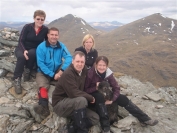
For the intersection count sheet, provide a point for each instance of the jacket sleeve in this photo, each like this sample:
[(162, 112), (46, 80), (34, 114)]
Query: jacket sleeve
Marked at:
[(96, 55), (67, 58), (46, 37), (115, 87), (41, 54), (90, 84), (72, 89), (23, 36)]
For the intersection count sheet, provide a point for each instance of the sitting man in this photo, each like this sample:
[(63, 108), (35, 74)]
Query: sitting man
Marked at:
[(52, 59), (69, 99)]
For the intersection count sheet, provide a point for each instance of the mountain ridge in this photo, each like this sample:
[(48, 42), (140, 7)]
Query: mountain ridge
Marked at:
[(145, 48)]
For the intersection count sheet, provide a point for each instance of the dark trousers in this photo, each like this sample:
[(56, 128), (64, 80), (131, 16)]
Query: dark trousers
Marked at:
[(21, 61), (122, 100)]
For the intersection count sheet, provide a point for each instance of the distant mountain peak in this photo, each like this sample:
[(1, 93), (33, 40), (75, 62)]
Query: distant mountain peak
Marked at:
[(70, 16)]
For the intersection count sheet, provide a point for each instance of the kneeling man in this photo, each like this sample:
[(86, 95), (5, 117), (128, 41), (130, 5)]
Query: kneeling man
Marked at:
[(69, 99)]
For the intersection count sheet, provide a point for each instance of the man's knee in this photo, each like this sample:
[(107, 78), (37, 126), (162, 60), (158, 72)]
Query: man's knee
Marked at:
[(95, 119), (80, 102)]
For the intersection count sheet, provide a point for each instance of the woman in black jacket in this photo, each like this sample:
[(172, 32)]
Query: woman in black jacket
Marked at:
[(31, 36), (88, 44)]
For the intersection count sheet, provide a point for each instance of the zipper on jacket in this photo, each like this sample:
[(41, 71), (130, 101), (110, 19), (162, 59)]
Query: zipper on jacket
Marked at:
[(50, 55), (53, 61)]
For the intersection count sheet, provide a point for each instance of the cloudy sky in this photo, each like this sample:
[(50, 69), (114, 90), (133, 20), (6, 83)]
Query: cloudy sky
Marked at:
[(124, 11)]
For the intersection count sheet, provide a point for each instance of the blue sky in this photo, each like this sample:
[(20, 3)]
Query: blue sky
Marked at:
[(123, 11)]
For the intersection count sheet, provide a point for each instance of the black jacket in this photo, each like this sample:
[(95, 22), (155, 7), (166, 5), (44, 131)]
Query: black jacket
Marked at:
[(28, 38), (90, 57)]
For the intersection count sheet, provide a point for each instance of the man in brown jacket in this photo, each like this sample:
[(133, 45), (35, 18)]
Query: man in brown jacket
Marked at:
[(69, 99)]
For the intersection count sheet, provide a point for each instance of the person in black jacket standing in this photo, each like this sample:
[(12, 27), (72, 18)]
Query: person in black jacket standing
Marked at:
[(31, 36), (88, 44)]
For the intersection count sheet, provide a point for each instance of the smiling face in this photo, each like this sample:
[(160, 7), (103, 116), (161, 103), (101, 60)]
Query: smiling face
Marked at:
[(88, 44), (101, 66), (39, 21), (53, 37), (78, 63)]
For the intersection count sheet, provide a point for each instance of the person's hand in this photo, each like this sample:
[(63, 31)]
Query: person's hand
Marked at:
[(108, 102), (97, 85), (58, 75), (93, 100), (26, 55)]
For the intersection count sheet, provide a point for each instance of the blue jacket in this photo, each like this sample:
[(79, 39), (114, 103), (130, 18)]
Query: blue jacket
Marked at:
[(49, 59)]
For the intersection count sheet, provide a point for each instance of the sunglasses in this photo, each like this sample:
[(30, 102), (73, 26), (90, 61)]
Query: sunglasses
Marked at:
[(39, 19)]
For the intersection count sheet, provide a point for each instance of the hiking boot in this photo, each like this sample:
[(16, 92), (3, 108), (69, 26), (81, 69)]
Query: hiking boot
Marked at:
[(42, 110), (150, 122), (26, 74), (17, 85)]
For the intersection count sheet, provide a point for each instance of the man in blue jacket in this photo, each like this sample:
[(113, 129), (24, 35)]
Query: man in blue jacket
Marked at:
[(52, 59)]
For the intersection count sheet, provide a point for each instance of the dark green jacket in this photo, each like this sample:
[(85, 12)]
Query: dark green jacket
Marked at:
[(70, 85)]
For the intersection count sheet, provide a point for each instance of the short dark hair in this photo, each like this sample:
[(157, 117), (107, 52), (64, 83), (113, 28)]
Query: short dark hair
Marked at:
[(40, 13), (103, 58), (53, 29), (81, 54)]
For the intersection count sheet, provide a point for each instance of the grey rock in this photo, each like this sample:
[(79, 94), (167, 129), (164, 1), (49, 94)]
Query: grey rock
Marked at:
[(52, 88), (4, 64), (4, 100), (4, 121), (153, 96), (5, 84), (3, 72), (137, 88), (14, 38), (168, 94), (95, 129), (14, 111), (14, 30), (8, 43), (159, 106), (1, 46), (7, 29), (115, 130), (34, 115), (126, 123), (21, 127), (4, 52)]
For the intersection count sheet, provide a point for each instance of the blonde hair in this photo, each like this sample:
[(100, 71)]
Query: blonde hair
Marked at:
[(40, 13), (86, 37)]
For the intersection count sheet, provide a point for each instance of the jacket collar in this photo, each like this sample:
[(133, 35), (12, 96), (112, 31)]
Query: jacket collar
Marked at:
[(83, 48), (108, 72), (33, 24), (48, 44), (76, 71)]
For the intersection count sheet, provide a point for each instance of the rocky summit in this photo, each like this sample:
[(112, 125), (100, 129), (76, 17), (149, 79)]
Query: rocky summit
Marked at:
[(17, 114)]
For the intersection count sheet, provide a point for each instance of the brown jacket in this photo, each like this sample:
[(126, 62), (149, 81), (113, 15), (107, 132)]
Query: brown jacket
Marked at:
[(70, 85)]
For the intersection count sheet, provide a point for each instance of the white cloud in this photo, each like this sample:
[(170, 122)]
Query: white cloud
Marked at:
[(124, 11)]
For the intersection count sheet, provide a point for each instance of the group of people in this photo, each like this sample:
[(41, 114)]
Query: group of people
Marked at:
[(76, 78)]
